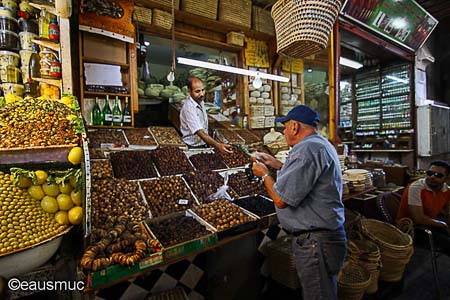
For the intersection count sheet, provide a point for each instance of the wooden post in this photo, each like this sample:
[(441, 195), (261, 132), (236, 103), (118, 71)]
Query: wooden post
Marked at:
[(65, 55)]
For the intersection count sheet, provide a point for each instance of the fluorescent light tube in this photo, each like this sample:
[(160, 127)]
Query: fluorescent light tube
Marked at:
[(350, 63), (397, 79), (208, 65)]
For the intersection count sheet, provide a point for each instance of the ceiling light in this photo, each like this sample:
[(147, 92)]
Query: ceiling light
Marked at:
[(171, 76), (397, 79), (257, 83), (147, 43), (208, 65), (309, 70), (350, 63)]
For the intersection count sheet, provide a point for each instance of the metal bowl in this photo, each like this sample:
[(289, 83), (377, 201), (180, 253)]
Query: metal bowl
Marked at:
[(28, 259)]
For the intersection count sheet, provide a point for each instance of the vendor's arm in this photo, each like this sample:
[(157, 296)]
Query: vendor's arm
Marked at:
[(224, 148), (260, 170)]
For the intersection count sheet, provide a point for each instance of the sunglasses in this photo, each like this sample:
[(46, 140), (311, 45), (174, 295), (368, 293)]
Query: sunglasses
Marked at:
[(435, 174)]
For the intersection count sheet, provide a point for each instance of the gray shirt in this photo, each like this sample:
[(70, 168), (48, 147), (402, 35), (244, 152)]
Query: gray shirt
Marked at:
[(310, 183)]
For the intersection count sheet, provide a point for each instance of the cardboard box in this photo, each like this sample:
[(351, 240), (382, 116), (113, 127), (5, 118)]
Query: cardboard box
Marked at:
[(257, 122), (269, 110), (235, 38), (257, 110), (269, 122)]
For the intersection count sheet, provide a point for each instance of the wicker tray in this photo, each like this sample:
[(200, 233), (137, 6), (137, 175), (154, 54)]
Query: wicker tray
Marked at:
[(162, 19), (205, 8), (142, 14), (169, 3), (238, 12), (262, 20)]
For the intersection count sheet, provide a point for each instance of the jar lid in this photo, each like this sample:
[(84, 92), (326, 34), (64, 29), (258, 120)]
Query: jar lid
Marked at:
[(4, 52), (8, 32), (5, 8), (8, 17)]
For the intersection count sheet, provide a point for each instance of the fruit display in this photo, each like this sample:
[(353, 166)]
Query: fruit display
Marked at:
[(248, 136), (23, 223), (167, 136), (205, 183), (177, 230), (235, 159), (75, 155), (207, 161), (257, 205), (132, 164), (96, 153), (167, 195), (240, 184), (124, 243), (140, 137), (106, 136), (222, 214), (229, 136), (38, 123), (171, 161), (113, 197), (101, 168)]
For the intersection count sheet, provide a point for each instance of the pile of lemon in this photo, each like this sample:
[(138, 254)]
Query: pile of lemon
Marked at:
[(58, 199)]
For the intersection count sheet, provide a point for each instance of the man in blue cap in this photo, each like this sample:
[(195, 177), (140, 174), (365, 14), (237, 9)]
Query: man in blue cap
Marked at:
[(308, 200)]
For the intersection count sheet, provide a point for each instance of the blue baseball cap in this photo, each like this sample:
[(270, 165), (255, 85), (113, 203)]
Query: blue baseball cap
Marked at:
[(301, 113)]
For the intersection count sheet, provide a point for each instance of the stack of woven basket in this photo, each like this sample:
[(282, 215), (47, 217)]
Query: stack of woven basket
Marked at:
[(353, 280)]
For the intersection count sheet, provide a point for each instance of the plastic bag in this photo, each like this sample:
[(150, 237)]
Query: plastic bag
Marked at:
[(221, 192)]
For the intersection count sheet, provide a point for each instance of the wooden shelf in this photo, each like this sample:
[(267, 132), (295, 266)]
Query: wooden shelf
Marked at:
[(107, 94), (55, 82), (357, 194), (382, 150), (48, 44), (49, 8), (108, 127), (106, 62)]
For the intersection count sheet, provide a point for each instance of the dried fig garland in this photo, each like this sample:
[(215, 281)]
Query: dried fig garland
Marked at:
[(34, 122), (207, 161), (235, 159), (133, 164), (140, 136), (206, 183), (167, 195), (239, 182), (106, 136), (171, 161), (101, 169)]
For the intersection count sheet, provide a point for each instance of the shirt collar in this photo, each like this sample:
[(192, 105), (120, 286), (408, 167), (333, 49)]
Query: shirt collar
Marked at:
[(193, 102), (444, 188)]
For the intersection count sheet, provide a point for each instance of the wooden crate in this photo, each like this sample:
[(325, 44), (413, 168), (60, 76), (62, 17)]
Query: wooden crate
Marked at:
[(204, 8), (142, 14), (169, 3), (162, 19), (235, 38), (238, 12), (262, 20)]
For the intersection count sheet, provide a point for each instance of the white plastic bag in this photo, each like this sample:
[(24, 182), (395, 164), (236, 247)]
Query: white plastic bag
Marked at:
[(221, 192)]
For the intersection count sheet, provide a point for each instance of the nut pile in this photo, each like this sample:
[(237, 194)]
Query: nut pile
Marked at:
[(230, 136), (248, 136), (222, 214), (34, 122), (101, 169), (206, 183), (177, 230), (116, 197), (171, 161), (167, 136), (257, 205), (239, 182), (96, 153), (132, 164), (166, 195), (23, 223), (140, 136), (235, 159), (207, 161), (106, 136)]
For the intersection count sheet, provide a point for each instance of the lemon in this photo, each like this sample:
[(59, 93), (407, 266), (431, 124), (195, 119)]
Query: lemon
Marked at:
[(62, 218), (64, 202), (66, 100), (49, 204), (41, 176), (75, 155), (36, 192), (75, 215), (51, 189), (76, 198), (65, 189)]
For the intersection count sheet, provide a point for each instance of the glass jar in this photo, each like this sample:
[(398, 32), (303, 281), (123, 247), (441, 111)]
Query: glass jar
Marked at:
[(379, 177)]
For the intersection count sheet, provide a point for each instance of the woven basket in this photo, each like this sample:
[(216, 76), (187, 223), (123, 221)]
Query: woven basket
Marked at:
[(262, 20), (353, 280), (238, 12), (169, 3), (204, 8), (162, 19), (281, 260), (395, 246), (142, 14), (352, 220), (303, 26)]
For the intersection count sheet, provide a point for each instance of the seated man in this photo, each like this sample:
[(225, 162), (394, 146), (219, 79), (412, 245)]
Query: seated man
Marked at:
[(426, 201)]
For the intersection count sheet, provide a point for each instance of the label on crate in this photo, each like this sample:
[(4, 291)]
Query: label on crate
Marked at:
[(183, 202)]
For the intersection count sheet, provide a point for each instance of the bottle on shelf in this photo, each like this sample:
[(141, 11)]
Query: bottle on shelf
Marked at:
[(107, 114), (53, 30), (116, 113), (126, 116), (97, 115), (43, 24), (34, 65)]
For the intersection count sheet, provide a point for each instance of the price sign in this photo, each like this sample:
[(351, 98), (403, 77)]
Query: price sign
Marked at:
[(183, 202), (256, 53)]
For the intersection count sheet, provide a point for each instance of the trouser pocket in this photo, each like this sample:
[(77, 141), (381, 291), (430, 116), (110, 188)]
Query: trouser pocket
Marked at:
[(334, 255)]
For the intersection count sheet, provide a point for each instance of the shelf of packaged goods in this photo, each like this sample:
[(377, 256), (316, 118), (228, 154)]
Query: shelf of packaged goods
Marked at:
[(105, 62), (106, 94), (367, 99), (55, 82), (395, 95), (384, 150), (108, 127), (48, 44), (51, 9)]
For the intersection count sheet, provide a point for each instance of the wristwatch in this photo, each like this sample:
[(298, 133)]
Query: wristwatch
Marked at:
[(263, 178)]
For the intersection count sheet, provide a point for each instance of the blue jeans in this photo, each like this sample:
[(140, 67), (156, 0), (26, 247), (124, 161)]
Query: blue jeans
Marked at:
[(319, 257)]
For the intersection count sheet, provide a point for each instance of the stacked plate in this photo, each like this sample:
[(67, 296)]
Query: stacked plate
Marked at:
[(342, 162), (359, 178)]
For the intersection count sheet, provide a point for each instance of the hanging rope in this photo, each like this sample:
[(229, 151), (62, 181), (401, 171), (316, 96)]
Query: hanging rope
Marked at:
[(173, 38)]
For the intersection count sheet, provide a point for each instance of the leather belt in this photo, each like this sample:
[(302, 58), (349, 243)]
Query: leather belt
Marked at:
[(300, 232)]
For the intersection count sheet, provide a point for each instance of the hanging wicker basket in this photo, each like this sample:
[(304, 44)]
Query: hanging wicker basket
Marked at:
[(303, 26)]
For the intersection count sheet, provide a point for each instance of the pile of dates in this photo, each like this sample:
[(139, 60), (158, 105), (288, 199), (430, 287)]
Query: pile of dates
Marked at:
[(133, 164), (177, 230), (101, 169), (257, 205), (222, 214), (167, 136), (247, 136), (240, 183), (171, 161), (205, 183), (116, 197), (140, 136), (96, 153), (229, 136), (167, 195), (235, 159), (106, 136), (207, 161)]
